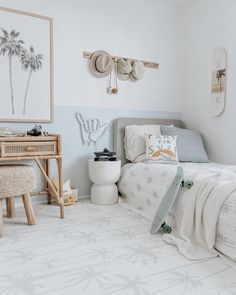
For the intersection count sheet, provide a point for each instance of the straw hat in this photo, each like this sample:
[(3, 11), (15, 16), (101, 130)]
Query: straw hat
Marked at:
[(101, 64), (137, 71), (124, 68)]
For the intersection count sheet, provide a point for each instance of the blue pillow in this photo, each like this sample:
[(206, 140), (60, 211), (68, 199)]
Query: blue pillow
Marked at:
[(189, 144)]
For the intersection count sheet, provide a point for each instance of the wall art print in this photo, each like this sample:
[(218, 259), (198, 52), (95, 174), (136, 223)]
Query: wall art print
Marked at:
[(26, 72), (219, 75)]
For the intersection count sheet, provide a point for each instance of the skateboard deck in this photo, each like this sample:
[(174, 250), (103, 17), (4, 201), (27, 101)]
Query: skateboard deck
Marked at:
[(219, 77), (168, 201)]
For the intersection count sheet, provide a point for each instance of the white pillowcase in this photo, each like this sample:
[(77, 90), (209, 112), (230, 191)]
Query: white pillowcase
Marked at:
[(135, 143), (161, 149)]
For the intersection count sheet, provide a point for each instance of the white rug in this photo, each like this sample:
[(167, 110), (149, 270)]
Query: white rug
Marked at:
[(100, 250)]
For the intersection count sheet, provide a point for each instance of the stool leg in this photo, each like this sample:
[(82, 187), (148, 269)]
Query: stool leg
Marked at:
[(28, 209), (10, 207), (1, 219)]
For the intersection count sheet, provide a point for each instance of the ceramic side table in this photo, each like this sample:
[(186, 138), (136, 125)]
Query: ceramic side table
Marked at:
[(104, 175)]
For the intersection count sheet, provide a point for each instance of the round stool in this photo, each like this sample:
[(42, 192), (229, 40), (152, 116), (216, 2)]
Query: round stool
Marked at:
[(16, 180), (104, 175)]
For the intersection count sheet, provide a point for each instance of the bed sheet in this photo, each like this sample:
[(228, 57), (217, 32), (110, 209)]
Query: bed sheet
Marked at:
[(141, 189)]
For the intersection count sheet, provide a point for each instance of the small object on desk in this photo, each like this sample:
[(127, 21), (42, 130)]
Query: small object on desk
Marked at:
[(5, 131), (37, 130)]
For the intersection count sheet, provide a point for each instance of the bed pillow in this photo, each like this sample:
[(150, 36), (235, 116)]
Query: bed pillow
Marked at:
[(161, 149), (134, 140), (189, 144)]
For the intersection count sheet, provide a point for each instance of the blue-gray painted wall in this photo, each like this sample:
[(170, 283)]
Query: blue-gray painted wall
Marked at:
[(75, 154)]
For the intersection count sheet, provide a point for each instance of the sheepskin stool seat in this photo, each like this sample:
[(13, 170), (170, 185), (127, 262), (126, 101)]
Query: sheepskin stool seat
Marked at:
[(16, 180)]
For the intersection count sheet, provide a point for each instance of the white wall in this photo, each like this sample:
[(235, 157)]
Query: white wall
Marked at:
[(181, 41), (205, 26), (125, 27)]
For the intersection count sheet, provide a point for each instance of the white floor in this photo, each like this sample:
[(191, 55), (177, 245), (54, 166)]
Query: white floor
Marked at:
[(100, 250)]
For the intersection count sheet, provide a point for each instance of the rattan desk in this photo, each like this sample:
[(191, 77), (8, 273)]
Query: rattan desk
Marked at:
[(41, 149)]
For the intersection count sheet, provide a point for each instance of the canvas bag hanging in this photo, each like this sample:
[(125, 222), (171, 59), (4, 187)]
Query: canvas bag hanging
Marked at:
[(113, 74)]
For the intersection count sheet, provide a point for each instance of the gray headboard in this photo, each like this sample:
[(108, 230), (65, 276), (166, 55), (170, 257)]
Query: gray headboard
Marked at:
[(119, 131)]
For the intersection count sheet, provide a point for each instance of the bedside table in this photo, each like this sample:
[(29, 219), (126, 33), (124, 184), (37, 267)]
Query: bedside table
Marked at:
[(104, 175)]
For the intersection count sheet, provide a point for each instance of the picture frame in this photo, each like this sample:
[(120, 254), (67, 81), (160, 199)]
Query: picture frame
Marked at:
[(26, 67)]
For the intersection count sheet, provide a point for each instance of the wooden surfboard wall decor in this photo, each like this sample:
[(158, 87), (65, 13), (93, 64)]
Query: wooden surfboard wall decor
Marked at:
[(219, 76)]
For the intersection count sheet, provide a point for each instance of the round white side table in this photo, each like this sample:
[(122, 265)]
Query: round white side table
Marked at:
[(104, 175)]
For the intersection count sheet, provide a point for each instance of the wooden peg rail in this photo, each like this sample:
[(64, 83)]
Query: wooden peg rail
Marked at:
[(147, 64)]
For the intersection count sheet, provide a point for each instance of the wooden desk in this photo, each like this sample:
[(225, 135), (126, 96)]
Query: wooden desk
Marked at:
[(41, 149)]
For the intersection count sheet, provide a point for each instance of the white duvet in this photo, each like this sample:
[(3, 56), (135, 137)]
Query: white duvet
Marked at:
[(144, 185)]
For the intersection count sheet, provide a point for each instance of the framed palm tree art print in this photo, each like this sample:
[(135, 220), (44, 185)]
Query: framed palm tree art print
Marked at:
[(26, 66)]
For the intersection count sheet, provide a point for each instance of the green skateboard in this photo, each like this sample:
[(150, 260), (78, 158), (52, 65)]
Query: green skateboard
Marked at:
[(168, 201)]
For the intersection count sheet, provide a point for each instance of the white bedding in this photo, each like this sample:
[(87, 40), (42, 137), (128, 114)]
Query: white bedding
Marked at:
[(144, 186)]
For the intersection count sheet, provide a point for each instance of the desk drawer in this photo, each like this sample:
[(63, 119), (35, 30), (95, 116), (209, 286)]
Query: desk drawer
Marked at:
[(15, 149)]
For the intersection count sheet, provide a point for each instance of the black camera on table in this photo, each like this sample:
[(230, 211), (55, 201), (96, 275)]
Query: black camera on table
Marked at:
[(105, 155), (37, 130)]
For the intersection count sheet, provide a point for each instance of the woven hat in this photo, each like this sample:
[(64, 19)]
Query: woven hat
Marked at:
[(124, 68), (137, 71), (101, 64)]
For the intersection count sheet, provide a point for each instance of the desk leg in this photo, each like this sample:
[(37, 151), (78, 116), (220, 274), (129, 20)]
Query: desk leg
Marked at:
[(47, 170), (60, 178), (54, 192)]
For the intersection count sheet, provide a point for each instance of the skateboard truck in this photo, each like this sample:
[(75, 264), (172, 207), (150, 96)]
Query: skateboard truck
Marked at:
[(168, 200)]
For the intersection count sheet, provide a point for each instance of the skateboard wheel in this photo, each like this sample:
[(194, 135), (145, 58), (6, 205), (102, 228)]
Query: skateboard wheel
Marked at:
[(187, 183), (166, 229)]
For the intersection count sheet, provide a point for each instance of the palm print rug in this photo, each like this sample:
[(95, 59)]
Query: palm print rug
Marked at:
[(100, 250)]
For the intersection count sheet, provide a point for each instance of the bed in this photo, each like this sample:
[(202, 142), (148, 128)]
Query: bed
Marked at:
[(140, 192)]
